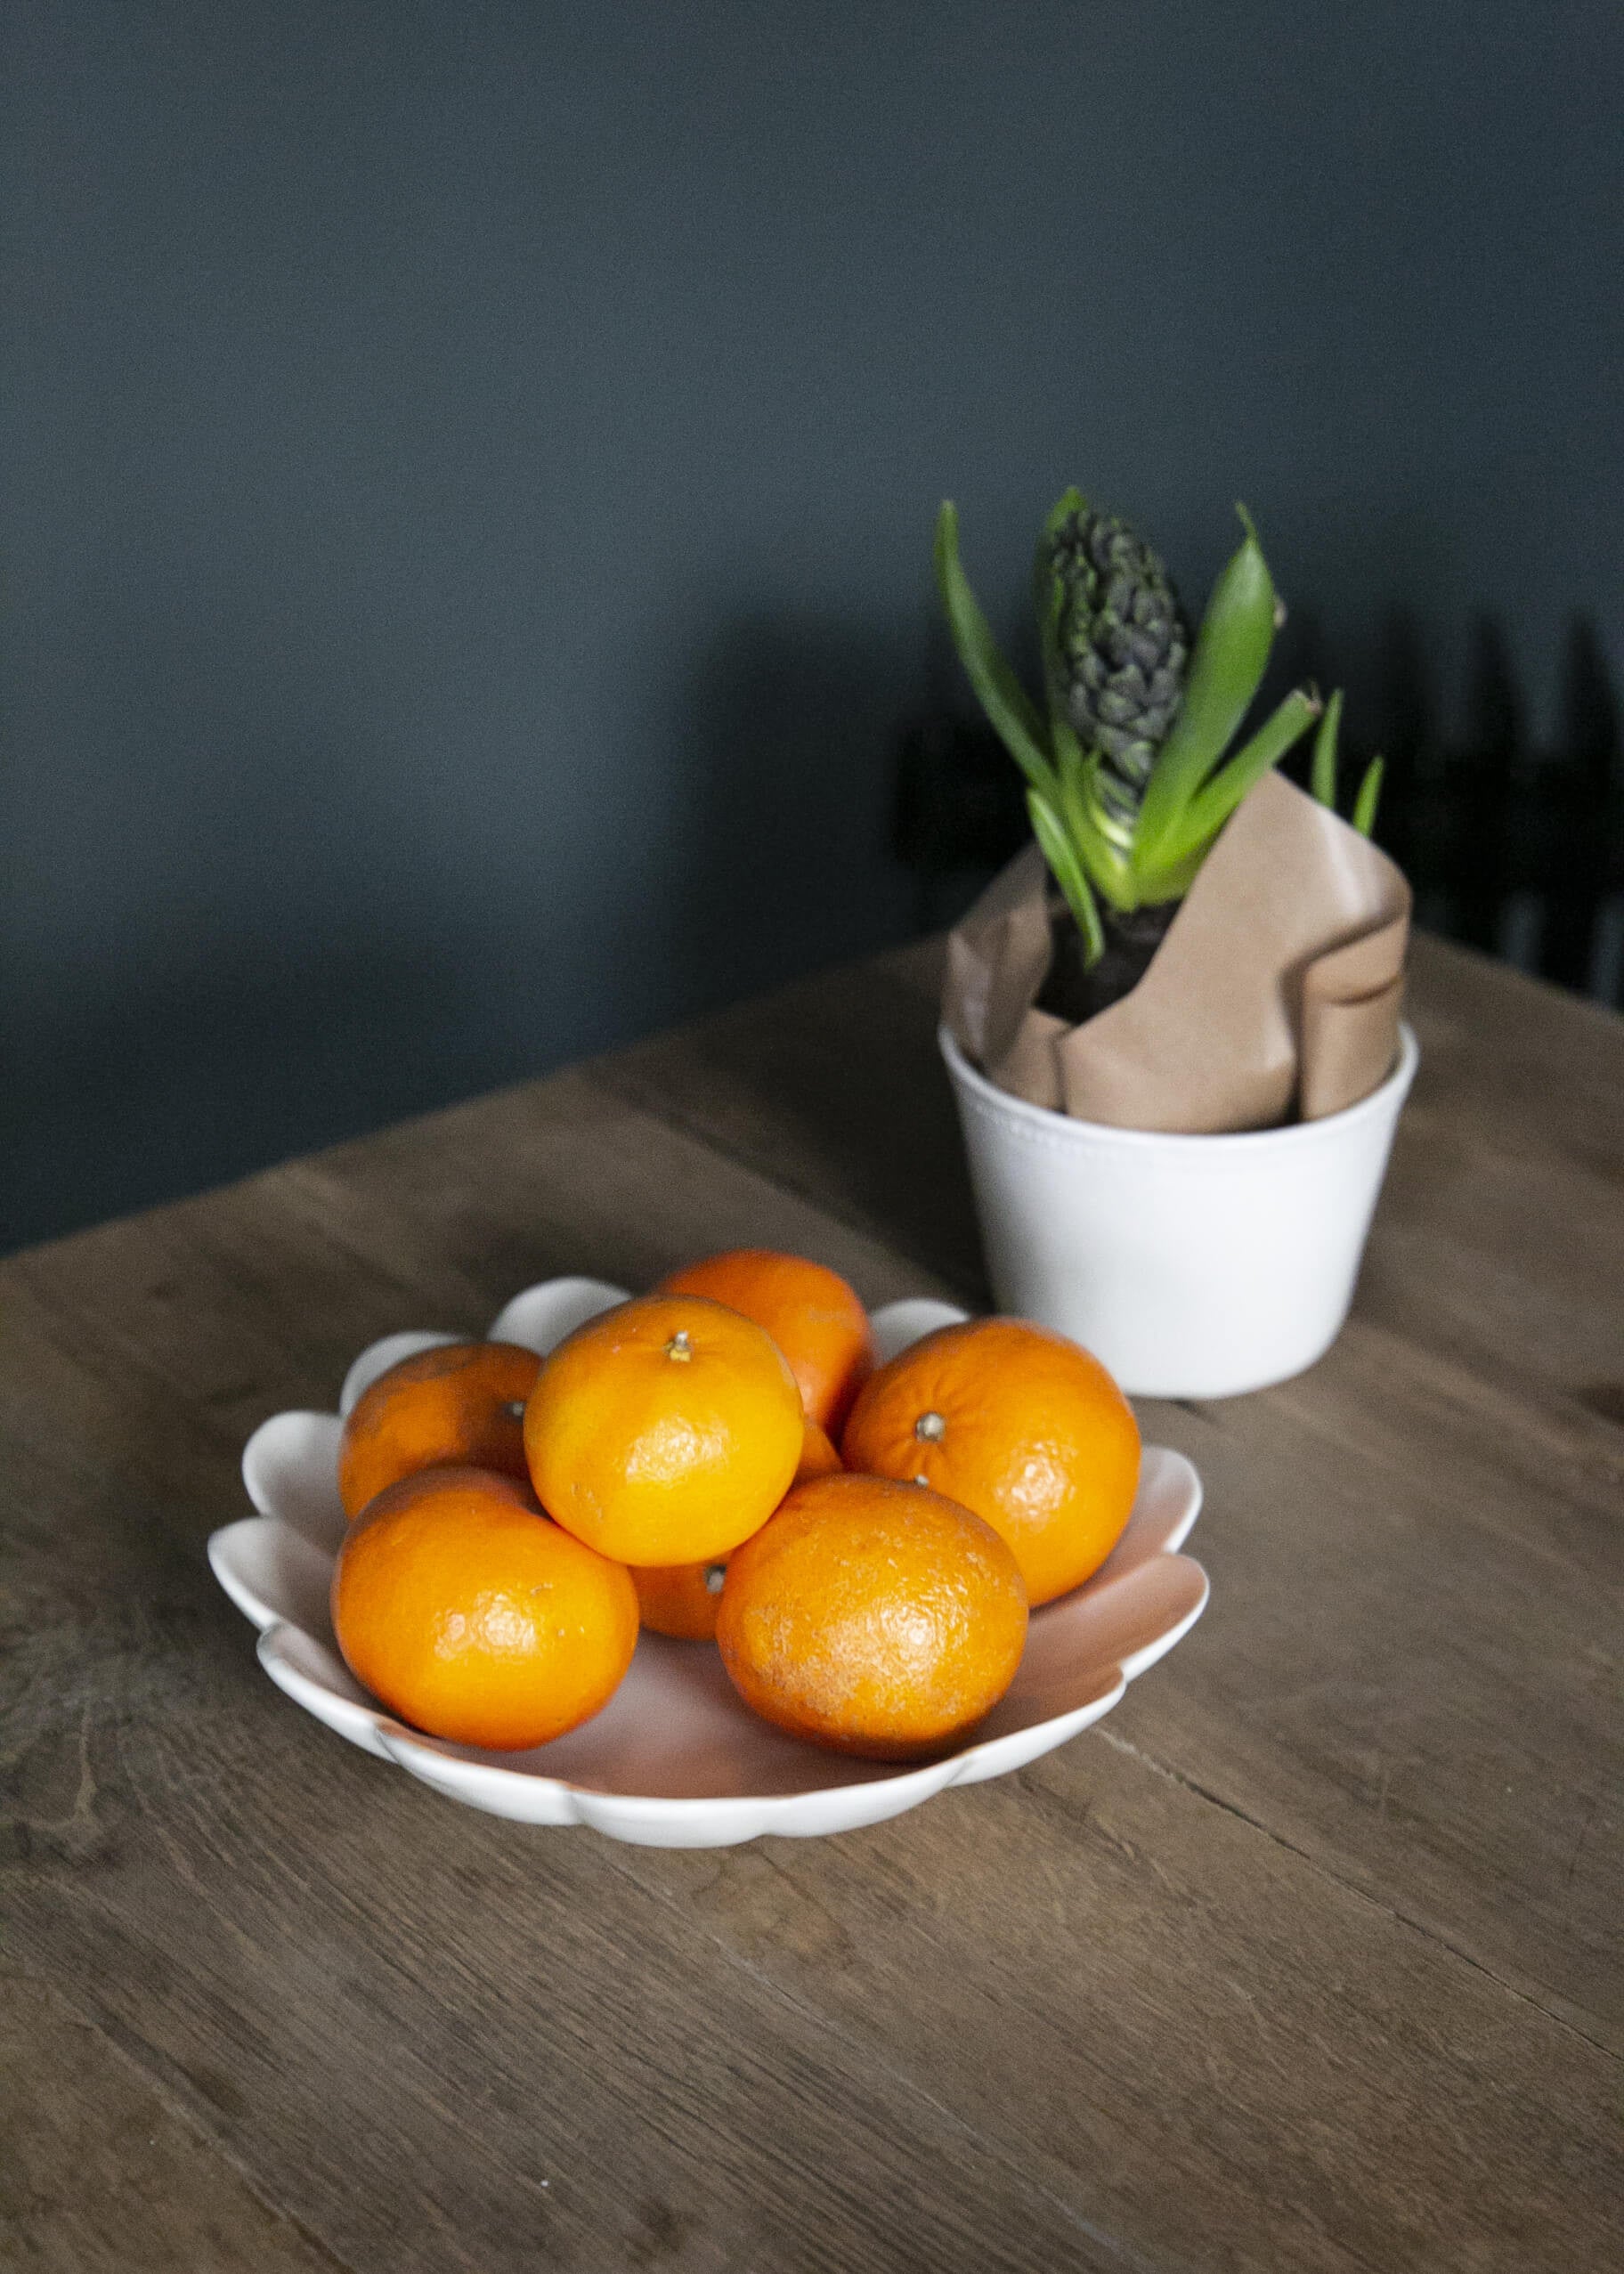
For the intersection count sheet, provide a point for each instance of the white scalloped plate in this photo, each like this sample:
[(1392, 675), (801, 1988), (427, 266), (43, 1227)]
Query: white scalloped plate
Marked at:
[(675, 1760)]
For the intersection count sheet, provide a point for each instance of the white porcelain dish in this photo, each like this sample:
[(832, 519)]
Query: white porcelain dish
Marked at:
[(675, 1759)]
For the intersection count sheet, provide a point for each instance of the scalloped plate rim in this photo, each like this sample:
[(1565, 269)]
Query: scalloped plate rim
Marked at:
[(687, 1820)]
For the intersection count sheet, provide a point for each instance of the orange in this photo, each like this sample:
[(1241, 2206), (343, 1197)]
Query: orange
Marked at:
[(810, 1313), (467, 1613), (819, 1456), (873, 1617), (664, 1431), (682, 1599), (461, 1405), (1020, 1425)]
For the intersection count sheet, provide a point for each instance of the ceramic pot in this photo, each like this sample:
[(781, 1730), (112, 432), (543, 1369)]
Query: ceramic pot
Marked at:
[(1192, 1267)]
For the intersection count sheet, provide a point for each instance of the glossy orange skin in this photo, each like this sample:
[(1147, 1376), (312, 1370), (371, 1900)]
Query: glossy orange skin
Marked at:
[(873, 1616), (810, 1313), (664, 1431), (469, 1615), (1018, 1423), (682, 1599), (461, 1405)]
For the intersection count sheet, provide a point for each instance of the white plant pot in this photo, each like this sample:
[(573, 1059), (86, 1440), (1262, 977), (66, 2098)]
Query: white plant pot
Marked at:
[(1192, 1267)]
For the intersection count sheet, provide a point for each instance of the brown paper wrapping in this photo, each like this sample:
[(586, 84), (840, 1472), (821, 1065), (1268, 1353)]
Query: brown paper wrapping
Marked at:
[(1274, 992)]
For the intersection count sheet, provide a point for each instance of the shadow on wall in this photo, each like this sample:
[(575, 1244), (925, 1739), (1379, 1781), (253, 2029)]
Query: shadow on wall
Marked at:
[(780, 860), (1513, 847), (263, 1022), (209, 1064), (804, 822)]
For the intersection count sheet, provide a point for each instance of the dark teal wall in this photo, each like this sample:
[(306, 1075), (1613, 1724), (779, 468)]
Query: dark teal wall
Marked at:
[(469, 473)]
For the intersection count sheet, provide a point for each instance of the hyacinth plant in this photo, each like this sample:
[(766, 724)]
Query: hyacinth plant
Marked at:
[(1130, 758)]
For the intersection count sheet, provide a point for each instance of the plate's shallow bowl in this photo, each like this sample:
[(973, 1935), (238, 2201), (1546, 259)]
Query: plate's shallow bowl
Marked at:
[(675, 1759)]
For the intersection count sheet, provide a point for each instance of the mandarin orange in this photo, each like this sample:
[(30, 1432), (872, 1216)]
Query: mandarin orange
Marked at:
[(819, 1456), (873, 1617), (1018, 1423), (664, 1431), (682, 1599), (811, 1314), (462, 1405), (459, 1604)]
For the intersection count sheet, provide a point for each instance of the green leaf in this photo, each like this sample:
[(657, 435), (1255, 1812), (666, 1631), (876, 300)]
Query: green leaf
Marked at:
[(1044, 578), (1069, 501), (1225, 672), (1369, 797), (1051, 607), (1102, 845), (1048, 603), (1073, 770), (1324, 779), (1057, 848), (1205, 814), (1170, 881), (1006, 702)]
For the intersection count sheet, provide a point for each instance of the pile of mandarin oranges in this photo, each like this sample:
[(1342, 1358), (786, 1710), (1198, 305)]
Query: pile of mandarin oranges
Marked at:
[(721, 1461)]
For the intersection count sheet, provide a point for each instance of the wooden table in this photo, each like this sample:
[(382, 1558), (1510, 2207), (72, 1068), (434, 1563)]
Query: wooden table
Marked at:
[(1305, 1958)]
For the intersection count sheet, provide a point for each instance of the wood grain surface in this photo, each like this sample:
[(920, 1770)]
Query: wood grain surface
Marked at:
[(1308, 1957)]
